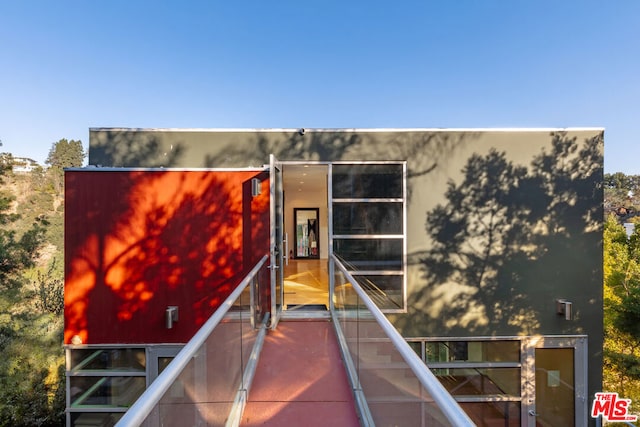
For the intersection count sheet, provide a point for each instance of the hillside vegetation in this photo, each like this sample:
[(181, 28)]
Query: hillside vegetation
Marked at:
[(32, 383), (622, 287)]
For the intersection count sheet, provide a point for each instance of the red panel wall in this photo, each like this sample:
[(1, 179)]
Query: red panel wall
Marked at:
[(139, 241)]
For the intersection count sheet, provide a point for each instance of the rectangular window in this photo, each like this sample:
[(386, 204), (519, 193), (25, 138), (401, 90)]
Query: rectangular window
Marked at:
[(484, 376), (359, 218), (107, 391), (482, 381), (102, 383), (368, 180), (126, 359), (86, 419), (499, 413), (369, 254), (473, 351), (368, 219), (385, 291)]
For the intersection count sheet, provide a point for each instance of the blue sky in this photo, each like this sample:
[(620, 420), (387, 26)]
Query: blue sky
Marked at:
[(66, 66)]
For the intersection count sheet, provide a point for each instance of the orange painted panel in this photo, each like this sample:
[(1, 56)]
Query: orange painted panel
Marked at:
[(139, 241)]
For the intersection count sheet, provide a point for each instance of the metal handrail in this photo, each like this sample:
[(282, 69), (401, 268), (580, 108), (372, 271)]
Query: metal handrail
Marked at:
[(142, 407), (447, 404)]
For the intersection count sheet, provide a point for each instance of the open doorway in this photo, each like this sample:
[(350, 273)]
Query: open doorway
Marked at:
[(306, 225), (364, 210)]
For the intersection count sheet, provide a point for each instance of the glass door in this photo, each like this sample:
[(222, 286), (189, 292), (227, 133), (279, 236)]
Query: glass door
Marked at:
[(555, 386), (158, 359), (276, 239), (556, 382)]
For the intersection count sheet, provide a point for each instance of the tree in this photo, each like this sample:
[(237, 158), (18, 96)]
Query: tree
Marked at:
[(66, 154), (622, 310), (620, 194), (49, 291)]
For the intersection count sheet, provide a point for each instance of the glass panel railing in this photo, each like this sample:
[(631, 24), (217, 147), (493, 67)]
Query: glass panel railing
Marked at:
[(392, 384), (207, 382)]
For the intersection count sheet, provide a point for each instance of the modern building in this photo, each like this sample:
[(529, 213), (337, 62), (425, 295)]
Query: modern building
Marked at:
[(24, 165), (483, 247)]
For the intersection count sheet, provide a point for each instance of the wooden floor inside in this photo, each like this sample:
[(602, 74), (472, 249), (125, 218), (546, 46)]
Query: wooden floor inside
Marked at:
[(300, 379), (306, 282)]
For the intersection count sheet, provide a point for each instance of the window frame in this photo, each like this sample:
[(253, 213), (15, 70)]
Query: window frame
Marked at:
[(151, 352), (400, 236)]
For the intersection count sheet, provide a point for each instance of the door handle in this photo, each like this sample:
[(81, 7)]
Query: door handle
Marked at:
[(533, 413)]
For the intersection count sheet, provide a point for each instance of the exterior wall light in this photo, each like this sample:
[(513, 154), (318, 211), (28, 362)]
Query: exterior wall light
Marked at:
[(564, 308), (171, 316), (256, 187)]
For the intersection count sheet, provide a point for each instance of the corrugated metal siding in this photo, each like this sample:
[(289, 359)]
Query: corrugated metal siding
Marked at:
[(139, 241)]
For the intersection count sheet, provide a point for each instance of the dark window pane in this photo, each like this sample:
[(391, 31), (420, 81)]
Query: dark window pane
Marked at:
[(106, 391), (385, 291), (480, 381), (416, 346), (473, 351), (163, 362), (367, 218), (102, 419), (369, 254), (367, 181), (116, 359), (493, 413)]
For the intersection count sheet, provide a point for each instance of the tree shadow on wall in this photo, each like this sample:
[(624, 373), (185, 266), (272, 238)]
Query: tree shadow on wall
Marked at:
[(509, 236), (169, 238), (133, 149), (312, 146), (424, 151)]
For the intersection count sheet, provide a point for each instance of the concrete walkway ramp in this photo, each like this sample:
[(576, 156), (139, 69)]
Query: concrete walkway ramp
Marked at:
[(300, 379)]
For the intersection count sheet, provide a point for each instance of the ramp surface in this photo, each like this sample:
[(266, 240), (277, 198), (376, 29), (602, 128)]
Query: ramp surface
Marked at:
[(300, 379)]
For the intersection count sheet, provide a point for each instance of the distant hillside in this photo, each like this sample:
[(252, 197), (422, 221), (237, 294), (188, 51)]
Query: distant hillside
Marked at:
[(37, 197), (32, 382)]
